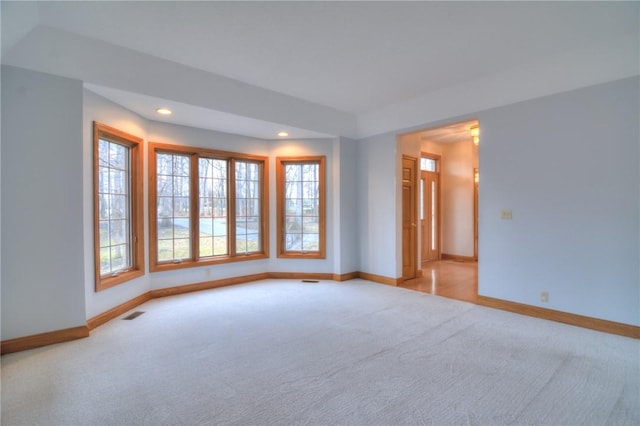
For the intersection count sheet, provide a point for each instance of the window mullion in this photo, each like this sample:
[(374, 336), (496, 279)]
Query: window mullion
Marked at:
[(231, 206), (194, 207), (133, 205)]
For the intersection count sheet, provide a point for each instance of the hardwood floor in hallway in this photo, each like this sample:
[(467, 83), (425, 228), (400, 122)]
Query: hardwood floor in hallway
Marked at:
[(447, 278)]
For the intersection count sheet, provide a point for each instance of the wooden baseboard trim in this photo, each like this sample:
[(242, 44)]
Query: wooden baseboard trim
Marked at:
[(300, 275), (43, 339), (346, 277), (207, 285), (611, 327), (112, 313), (380, 279), (445, 256)]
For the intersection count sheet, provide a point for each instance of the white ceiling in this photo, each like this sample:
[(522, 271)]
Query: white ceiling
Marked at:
[(451, 133), (204, 118), (356, 57)]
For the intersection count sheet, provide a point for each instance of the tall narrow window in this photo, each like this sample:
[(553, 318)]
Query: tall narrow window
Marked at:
[(173, 207), (213, 207), (248, 215), (206, 207), (118, 240), (301, 209)]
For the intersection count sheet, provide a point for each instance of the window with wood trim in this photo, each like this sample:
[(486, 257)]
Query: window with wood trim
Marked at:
[(206, 207), (301, 207), (117, 204)]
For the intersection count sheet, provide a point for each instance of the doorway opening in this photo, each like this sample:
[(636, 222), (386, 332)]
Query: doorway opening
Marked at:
[(447, 190)]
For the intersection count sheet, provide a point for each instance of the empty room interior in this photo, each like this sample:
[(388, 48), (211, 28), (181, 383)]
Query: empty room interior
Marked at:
[(320, 212)]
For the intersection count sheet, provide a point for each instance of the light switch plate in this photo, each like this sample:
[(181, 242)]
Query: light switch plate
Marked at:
[(506, 214)]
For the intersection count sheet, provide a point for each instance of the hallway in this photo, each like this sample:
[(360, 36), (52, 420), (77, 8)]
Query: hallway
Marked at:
[(447, 278)]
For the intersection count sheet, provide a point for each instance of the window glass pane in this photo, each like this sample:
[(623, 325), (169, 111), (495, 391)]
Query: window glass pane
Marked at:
[(164, 164), (181, 186), (181, 247), (119, 206), (114, 207), (206, 246), (253, 170), (293, 233), (117, 156), (165, 250), (293, 190), (174, 205), (302, 207), (181, 165), (215, 197), (220, 245), (105, 260), (433, 215), (428, 164), (421, 199), (213, 207), (119, 256), (248, 210), (181, 208)]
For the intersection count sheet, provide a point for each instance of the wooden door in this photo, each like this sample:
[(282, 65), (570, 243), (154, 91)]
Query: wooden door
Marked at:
[(429, 216), (409, 227)]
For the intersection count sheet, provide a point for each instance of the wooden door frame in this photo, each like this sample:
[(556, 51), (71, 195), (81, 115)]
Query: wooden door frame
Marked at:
[(438, 159), (414, 229), (476, 190)]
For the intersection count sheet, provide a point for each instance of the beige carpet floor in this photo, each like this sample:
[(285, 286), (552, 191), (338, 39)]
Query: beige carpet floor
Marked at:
[(281, 352)]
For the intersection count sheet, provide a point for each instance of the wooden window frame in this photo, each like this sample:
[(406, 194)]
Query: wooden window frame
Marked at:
[(280, 183), (195, 154), (134, 144)]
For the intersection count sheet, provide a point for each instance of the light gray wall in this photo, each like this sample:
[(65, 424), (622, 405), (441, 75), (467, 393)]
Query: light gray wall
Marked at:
[(104, 111), (42, 248), (303, 148), (349, 209), (377, 183), (568, 167), (457, 190), (345, 206)]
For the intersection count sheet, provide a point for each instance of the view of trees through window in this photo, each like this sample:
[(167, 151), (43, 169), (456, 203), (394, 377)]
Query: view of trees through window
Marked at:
[(302, 207), (213, 207), (118, 242), (173, 206), (114, 211), (248, 217), (209, 205)]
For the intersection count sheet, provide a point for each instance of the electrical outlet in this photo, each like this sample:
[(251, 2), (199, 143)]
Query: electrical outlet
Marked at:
[(544, 296)]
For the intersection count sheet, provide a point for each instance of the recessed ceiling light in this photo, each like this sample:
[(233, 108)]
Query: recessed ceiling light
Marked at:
[(283, 134), (164, 111)]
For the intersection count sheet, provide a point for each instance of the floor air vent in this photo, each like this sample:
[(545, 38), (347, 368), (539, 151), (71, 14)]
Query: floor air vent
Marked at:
[(134, 315), (310, 281)]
